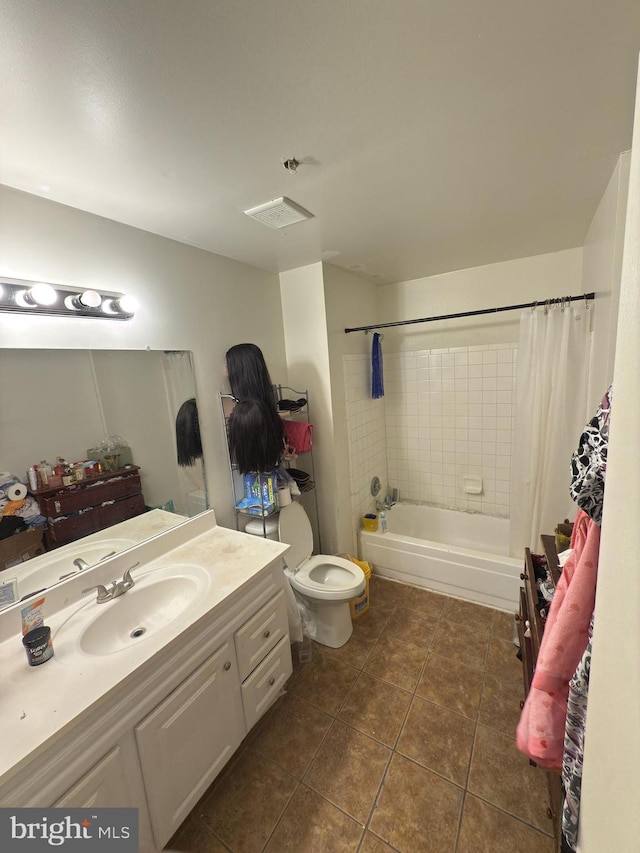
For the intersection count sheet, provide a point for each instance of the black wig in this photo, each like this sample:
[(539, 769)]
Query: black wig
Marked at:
[(188, 433), (255, 436), (248, 374)]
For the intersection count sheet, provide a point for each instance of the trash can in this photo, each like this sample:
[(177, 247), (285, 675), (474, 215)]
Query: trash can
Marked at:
[(360, 605)]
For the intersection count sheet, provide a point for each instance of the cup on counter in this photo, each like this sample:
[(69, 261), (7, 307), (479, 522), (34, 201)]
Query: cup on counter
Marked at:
[(284, 496), (38, 645)]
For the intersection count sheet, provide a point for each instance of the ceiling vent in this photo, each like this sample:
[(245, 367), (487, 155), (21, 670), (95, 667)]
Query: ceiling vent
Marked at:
[(279, 213)]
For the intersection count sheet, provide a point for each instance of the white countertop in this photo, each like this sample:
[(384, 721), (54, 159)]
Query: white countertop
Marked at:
[(38, 703)]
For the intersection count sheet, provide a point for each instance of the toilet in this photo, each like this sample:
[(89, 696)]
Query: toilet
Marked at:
[(323, 584)]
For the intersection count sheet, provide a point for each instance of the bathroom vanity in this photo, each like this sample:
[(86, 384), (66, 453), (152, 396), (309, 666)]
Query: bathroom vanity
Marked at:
[(148, 720)]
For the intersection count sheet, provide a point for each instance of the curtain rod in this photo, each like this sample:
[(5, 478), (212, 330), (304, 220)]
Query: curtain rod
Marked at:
[(559, 300)]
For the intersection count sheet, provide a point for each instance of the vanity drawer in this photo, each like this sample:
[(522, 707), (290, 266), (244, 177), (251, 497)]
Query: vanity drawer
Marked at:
[(260, 634), (64, 530), (264, 684), (80, 497)]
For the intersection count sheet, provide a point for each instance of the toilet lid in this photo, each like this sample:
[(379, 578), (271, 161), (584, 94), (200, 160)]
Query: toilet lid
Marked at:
[(294, 529)]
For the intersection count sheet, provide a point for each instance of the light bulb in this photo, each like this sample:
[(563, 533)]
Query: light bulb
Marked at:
[(42, 294), (120, 305), (127, 304)]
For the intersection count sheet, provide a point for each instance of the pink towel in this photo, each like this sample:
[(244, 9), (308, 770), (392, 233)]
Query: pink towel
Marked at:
[(540, 732)]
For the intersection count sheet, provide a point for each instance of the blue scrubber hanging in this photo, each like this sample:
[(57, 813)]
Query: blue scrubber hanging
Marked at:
[(377, 382)]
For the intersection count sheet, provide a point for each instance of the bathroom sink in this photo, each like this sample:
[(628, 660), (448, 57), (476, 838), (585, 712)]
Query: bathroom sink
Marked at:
[(159, 598)]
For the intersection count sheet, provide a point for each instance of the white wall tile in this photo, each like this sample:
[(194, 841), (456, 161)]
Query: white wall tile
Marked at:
[(446, 414)]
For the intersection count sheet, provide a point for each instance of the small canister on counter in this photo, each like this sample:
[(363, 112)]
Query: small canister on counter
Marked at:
[(38, 645)]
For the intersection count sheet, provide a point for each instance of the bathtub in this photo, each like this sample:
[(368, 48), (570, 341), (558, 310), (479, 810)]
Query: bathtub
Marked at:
[(449, 551)]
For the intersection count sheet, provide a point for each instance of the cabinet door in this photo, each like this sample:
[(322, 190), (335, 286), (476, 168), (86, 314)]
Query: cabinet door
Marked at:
[(105, 786), (185, 742)]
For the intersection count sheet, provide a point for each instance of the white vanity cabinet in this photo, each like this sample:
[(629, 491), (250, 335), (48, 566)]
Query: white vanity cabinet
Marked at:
[(185, 742), (107, 784), (156, 738)]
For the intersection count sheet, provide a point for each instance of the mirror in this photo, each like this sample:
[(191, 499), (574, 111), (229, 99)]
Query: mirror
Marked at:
[(64, 402)]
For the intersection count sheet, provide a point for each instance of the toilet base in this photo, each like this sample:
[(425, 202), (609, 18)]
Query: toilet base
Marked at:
[(330, 619)]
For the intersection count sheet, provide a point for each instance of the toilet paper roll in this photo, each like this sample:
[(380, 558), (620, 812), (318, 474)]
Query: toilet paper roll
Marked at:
[(284, 496), (17, 492)]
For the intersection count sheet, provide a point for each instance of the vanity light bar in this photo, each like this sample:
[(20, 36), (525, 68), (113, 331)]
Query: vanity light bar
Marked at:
[(37, 297)]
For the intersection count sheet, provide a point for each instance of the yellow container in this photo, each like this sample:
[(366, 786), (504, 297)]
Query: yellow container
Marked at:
[(370, 523), (360, 605)]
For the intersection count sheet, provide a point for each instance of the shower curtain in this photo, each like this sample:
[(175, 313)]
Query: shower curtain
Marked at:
[(180, 386), (551, 410)]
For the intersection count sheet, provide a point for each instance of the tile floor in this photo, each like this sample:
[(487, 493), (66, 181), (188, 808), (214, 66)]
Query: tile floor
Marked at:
[(402, 740)]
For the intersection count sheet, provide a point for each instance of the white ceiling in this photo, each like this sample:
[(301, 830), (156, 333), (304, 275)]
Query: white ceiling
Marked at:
[(434, 134)]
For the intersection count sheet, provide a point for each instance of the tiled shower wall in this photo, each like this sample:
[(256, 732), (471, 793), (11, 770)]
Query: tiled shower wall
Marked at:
[(366, 435), (448, 415)]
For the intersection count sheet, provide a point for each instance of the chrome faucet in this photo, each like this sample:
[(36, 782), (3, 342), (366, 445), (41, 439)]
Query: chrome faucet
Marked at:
[(387, 503), (82, 565), (116, 589)]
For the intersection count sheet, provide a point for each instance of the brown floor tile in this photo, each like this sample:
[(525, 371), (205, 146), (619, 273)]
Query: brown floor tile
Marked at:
[(457, 610), (416, 810), (410, 627), (485, 829), (502, 661), (298, 667), (312, 825), (500, 705), (372, 844), (376, 708), (438, 739), (426, 603), (384, 592), (447, 682), (194, 837), (462, 642), (325, 684), (244, 810), (291, 733), (396, 662), (348, 769), (503, 777), (503, 625), (354, 652), (374, 619)]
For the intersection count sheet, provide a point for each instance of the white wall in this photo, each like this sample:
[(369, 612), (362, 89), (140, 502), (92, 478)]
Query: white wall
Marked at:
[(189, 299), (307, 350), (510, 282), (352, 301), (609, 815), (601, 271)]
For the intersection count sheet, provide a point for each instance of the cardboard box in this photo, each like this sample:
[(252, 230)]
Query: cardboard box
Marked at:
[(20, 547)]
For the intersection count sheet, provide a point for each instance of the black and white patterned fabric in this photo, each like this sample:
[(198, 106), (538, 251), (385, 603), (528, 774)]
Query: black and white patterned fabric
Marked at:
[(589, 462), (574, 746)]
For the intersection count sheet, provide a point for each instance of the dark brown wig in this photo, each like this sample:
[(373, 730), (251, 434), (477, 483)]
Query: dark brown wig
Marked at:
[(188, 433), (255, 437)]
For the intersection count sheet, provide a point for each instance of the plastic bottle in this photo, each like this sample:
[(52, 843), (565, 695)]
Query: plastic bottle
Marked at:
[(33, 478), (45, 471), (383, 522)]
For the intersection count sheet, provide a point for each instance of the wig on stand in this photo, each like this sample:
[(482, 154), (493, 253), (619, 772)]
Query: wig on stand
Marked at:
[(255, 437), (188, 441), (248, 374), (256, 432)]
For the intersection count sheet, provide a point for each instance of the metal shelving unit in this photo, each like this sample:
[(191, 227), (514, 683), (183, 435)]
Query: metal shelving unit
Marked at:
[(303, 462)]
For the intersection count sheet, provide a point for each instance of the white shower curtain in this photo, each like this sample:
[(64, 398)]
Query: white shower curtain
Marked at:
[(180, 386), (551, 403)]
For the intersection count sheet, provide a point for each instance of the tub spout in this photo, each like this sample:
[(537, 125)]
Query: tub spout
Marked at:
[(386, 504)]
